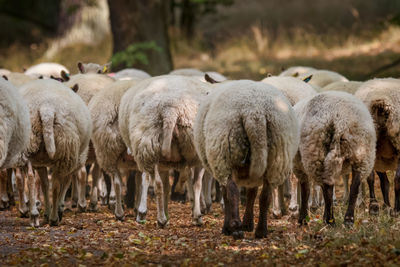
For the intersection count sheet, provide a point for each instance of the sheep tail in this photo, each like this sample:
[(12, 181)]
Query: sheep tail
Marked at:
[(47, 116), (169, 123), (255, 126), (333, 160)]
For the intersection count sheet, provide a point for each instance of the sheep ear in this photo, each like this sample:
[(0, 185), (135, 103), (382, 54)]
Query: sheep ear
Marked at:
[(41, 77), (81, 68), (283, 68), (296, 74), (64, 76), (75, 88), (106, 67), (209, 79), (269, 74), (307, 79), (5, 77)]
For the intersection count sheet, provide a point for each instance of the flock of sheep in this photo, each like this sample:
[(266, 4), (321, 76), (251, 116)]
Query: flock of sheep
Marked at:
[(304, 128)]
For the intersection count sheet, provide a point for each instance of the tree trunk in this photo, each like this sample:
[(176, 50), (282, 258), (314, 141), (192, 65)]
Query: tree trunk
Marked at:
[(139, 21)]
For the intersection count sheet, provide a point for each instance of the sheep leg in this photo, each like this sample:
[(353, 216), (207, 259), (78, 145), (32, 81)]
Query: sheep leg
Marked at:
[(327, 190), (96, 175), (188, 172), (315, 194), (232, 223), (144, 187), (119, 211), (54, 219), (281, 198), (34, 213), (178, 188), (293, 205), (138, 191), (373, 203), (218, 193), (248, 217), (305, 195), (162, 219), (64, 185), (112, 195), (198, 174), (396, 210), (360, 198), (103, 188), (131, 189), (287, 188), (276, 209), (74, 192), (22, 204), (44, 179), (384, 188), (354, 190), (207, 185), (37, 188), (265, 198), (10, 186), (80, 175), (346, 187), (4, 200), (166, 191)]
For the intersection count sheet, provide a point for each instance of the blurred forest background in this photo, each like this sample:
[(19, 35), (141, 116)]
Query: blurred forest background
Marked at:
[(240, 39)]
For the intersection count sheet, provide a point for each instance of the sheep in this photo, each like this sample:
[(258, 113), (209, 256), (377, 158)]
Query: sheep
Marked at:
[(111, 151), (246, 133), (131, 73), (337, 136), (59, 139), (349, 87), (321, 78), (156, 124), (18, 79), (199, 74), (86, 86), (46, 69), (295, 90), (93, 68), (296, 71), (382, 97), (15, 128), (4, 72)]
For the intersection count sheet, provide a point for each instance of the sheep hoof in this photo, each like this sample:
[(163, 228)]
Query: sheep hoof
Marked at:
[(103, 200), (197, 221), (111, 204), (120, 217), (294, 208), (277, 214), (394, 213), (81, 208), (74, 204), (54, 222), (260, 233), (35, 220), (141, 216), (374, 208), (162, 224), (348, 221), (4, 205), (314, 208), (60, 215), (93, 207), (38, 204), (23, 213), (248, 227), (238, 235)]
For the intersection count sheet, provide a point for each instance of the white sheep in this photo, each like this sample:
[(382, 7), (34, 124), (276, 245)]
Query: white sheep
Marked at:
[(156, 123), (337, 138), (382, 97), (4, 72), (296, 71), (321, 78), (86, 86), (18, 79), (61, 129), (199, 74), (110, 149), (131, 73), (295, 90), (46, 69), (246, 133), (15, 126), (345, 86), (93, 68)]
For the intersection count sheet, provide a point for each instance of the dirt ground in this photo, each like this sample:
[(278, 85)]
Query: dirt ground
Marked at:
[(87, 239)]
